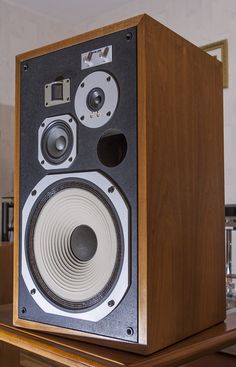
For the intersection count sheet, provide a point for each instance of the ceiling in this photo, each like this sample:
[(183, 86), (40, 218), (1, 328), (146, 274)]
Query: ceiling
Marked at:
[(71, 11)]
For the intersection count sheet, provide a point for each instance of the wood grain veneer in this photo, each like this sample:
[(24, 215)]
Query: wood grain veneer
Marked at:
[(76, 353), (180, 188), (184, 186), (214, 360), (9, 355), (33, 360)]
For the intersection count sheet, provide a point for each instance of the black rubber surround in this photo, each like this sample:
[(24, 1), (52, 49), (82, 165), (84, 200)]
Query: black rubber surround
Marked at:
[(30, 256), (44, 139)]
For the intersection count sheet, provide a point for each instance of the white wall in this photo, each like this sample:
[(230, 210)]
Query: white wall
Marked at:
[(201, 22), (20, 30)]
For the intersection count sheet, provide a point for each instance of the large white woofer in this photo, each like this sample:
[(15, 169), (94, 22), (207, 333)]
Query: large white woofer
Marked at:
[(76, 247)]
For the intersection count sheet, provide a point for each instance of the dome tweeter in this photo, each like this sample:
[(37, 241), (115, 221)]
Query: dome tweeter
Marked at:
[(96, 99)]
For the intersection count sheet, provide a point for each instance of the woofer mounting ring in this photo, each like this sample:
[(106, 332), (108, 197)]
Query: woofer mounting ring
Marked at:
[(57, 142)]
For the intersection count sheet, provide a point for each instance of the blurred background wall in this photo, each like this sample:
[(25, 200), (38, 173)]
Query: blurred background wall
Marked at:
[(27, 24)]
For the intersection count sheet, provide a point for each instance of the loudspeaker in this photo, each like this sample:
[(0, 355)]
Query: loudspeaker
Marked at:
[(119, 197)]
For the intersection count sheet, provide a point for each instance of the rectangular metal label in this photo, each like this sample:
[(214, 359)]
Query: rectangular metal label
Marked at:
[(96, 57)]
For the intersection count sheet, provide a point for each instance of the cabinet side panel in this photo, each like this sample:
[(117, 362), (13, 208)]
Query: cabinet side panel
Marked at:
[(185, 187)]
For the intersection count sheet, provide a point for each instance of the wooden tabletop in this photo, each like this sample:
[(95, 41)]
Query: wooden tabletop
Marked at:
[(75, 353)]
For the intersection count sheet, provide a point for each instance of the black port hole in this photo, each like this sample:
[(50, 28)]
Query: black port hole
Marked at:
[(112, 147)]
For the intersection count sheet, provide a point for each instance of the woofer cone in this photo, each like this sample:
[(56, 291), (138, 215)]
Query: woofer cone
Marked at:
[(82, 212), (57, 142)]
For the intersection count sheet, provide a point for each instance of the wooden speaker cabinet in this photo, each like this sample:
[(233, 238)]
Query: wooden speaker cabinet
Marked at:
[(125, 121)]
